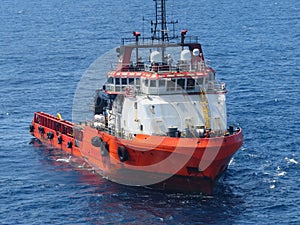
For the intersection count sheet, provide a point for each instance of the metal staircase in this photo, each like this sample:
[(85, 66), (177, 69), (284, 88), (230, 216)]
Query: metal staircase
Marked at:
[(205, 108)]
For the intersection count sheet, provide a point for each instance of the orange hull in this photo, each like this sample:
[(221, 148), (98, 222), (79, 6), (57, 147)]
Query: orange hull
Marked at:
[(180, 164)]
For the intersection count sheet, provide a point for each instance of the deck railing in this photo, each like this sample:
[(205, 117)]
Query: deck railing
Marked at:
[(148, 41), (160, 68)]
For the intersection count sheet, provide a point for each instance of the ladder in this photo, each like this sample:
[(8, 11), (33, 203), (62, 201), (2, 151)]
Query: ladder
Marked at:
[(205, 108), (160, 19)]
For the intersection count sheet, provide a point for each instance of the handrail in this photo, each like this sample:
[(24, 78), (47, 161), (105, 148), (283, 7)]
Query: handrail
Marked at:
[(159, 67), (148, 41)]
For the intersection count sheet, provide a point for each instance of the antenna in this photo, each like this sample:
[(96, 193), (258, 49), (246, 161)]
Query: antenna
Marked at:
[(143, 25), (161, 19)]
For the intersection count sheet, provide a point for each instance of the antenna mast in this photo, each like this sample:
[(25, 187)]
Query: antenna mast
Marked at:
[(161, 19)]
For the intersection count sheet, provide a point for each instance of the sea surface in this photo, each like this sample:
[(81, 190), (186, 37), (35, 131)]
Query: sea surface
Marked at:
[(47, 46)]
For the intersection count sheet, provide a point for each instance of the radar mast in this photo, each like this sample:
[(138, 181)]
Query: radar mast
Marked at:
[(161, 19)]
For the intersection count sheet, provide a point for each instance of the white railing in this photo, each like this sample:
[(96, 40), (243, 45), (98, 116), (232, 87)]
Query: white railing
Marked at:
[(216, 85), (159, 67)]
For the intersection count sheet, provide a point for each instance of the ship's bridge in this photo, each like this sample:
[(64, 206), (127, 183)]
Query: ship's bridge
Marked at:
[(135, 83), (160, 68), (172, 83)]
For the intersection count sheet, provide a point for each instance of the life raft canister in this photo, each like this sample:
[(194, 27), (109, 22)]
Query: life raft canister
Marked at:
[(104, 148), (123, 153)]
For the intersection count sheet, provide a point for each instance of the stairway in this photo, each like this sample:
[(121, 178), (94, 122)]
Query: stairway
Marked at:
[(205, 108)]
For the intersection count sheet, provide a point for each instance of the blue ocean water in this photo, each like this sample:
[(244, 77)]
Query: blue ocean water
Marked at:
[(45, 48)]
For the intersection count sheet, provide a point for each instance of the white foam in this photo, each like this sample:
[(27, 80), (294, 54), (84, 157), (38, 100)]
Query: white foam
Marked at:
[(283, 173), (278, 168), (231, 162), (64, 160), (291, 160)]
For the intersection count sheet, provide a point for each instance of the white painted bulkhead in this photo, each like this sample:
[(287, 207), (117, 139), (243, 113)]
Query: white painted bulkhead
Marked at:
[(154, 114), (217, 108)]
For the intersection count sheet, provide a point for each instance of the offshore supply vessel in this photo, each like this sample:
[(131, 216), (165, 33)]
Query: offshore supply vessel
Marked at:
[(158, 121)]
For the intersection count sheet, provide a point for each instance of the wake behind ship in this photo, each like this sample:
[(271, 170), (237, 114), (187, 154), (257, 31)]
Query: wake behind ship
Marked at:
[(159, 120)]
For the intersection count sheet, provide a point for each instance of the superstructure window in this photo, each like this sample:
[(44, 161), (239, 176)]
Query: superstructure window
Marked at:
[(131, 81), (146, 81), (200, 81), (117, 81), (180, 83), (212, 76), (190, 84), (110, 80), (137, 81), (170, 85), (162, 83), (124, 81), (152, 83)]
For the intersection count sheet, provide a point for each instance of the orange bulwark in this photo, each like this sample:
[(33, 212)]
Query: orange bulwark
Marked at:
[(58, 133)]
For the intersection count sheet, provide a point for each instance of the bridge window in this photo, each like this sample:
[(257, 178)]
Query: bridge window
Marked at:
[(146, 82), (200, 81), (162, 83), (117, 81), (170, 85), (190, 84), (124, 81), (110, 80), (181, 83), (137, 81), (152, 83), (131, 81)]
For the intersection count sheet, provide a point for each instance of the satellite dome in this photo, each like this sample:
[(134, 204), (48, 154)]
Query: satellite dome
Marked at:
[(155, 57), (196, 52), (185, 55)]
